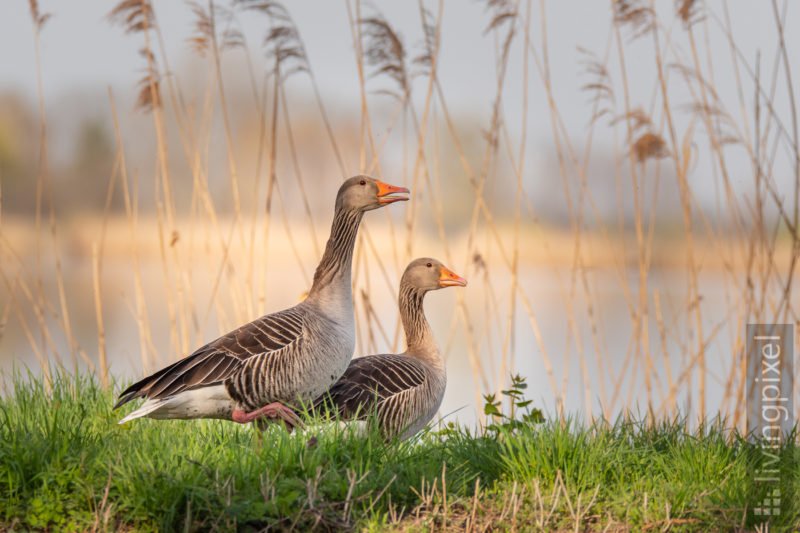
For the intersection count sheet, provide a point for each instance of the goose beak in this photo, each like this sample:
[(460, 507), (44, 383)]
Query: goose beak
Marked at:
[(448, 278), (384, 190)]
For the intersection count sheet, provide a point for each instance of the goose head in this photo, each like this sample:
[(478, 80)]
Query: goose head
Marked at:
[(430, 274), (363, 193)]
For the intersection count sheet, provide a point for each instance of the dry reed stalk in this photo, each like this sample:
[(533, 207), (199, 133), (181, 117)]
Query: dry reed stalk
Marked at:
[(206, 39), (640, 323), (358, 263), (355, 35), (717, 149), (507, 361), (575, 213), (48, 343), (490, 223), (138, 16), (101, 331), (642, 317), (602, 85), (371, 346), (490, 309), (41, 355), (787, 289), (38, 24), (681, 161), (730, 394), (500, 16), (366, 130), (298, 172), (584, 194), (759, 241), (6, 311), (301, 266), (385, 52), (42, 183), (43, 188), (671, 400), (200, 193), (392, 62), (131, 210), (212, 35)]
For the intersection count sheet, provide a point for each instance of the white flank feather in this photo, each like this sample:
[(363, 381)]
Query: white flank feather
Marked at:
[(206, 402), (147, 407)]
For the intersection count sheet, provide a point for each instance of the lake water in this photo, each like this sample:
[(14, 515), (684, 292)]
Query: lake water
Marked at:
[(588, 347)]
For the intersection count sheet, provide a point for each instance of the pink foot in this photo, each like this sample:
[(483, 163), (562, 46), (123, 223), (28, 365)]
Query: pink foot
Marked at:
[(275, 410)]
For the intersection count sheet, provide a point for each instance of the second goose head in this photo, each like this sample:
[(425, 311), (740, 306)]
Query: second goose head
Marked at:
[(363, 193), (429, 274), (423, 275)]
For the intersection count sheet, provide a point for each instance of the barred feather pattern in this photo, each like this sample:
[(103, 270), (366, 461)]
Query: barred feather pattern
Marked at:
[(291, 356), (403, 391), (275, 361), (419, 337), (338, 256)]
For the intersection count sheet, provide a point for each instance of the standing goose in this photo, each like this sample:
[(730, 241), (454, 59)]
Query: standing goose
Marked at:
[(286, 357), (403, 390)]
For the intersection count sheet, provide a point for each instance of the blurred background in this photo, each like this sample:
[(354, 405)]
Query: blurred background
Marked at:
[(619, 181)]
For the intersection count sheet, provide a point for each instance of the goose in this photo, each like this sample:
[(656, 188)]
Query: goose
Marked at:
[(403, 390), (279, 359)]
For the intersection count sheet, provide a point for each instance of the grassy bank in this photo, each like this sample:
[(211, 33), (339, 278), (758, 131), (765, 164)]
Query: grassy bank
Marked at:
[(66, 464)]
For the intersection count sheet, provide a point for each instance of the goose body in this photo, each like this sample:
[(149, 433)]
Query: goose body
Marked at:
[(404, 391), (287, 357)]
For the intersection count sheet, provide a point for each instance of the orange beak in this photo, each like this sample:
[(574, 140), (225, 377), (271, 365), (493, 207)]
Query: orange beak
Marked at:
[(448, 278), (384, 190)]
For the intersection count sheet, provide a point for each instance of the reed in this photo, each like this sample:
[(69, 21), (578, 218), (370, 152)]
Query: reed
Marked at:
[(677, 344)]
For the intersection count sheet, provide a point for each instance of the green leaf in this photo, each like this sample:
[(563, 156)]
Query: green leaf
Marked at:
[(535, 416), (491, 409)]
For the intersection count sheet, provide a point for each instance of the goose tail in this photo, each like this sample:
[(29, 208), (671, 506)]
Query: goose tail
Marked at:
[(147, 407)]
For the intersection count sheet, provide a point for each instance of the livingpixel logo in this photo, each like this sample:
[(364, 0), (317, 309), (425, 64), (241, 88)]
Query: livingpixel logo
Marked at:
[(770, 413)]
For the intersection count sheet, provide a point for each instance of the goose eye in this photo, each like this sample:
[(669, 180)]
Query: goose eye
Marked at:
[(363, 182), (430, 265)]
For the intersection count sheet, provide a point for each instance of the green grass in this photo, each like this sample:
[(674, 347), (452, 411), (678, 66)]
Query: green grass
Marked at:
[(66, 465)]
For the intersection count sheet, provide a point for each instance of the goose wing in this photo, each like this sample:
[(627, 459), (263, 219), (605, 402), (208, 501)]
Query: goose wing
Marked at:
[(369, 382), (220, 359)]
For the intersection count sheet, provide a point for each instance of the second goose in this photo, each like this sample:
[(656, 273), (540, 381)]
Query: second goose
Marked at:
[(404, 391)]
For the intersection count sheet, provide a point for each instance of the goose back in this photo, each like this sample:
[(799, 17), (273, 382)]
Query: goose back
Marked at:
[(289, 356), (403, 392)]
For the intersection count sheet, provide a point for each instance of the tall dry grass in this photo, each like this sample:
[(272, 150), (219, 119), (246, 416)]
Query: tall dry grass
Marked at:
[(752, 236)]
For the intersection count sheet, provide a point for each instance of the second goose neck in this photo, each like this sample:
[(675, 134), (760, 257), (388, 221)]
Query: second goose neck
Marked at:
[(336, 263), (419, 336)]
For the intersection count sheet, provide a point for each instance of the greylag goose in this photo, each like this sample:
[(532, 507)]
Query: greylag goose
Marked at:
[(403, 390), (282, 358)]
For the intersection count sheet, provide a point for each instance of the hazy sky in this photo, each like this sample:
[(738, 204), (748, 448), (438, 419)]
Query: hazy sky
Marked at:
[(81, 51)]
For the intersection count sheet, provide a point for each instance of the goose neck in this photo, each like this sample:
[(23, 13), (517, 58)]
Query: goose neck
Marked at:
[(419, 337), (335, 266)]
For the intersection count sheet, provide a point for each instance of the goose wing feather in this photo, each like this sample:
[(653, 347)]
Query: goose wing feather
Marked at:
[(371, 381), (220, 359)]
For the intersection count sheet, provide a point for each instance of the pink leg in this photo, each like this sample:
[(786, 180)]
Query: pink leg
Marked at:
[(275, 410)]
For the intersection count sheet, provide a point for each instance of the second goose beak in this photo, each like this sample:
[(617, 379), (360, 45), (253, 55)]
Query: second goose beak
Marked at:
[(385, 189), (448, 278)]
